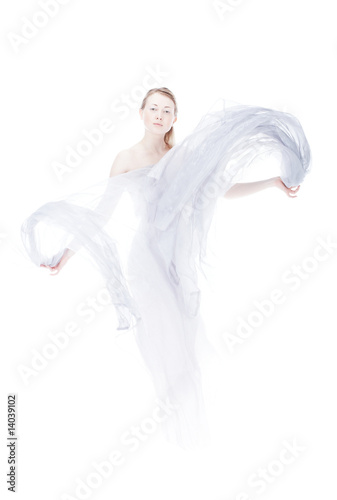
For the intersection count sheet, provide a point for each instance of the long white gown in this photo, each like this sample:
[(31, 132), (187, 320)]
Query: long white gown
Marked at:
[(153, 282)]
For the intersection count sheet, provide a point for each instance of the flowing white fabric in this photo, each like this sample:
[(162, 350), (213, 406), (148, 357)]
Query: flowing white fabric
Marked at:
[(153, 281)]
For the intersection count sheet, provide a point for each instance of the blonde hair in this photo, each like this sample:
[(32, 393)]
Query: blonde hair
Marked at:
[(169, 138)]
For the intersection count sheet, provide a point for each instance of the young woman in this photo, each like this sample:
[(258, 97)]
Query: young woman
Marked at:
[(174, 189)]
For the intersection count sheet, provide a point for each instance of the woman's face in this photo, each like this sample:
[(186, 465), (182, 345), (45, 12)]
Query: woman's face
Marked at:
[(158, 113)]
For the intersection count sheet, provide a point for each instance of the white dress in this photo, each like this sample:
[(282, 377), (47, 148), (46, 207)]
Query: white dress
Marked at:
[(153, 282)]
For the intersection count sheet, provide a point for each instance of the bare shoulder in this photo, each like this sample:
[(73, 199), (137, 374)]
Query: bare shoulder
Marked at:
[(121, 162), (128, 159)]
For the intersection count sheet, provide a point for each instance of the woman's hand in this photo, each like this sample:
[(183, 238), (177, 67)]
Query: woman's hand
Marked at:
[(65, 257), (290, 191)]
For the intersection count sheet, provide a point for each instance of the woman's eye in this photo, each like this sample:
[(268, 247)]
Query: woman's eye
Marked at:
[(166, 110)]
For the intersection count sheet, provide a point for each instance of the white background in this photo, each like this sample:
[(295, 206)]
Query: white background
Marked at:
[(277, 385)]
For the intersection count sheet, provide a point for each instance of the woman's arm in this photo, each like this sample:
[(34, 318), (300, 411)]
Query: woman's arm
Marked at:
[(118, 167), (246, 188)]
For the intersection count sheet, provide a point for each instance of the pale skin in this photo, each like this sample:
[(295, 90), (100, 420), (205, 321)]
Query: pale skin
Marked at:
[(158, 117)]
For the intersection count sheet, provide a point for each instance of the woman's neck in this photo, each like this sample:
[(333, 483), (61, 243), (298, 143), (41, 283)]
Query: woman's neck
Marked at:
[(154, 143)]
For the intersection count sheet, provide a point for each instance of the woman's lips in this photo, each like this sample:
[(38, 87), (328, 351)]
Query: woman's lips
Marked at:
[(160, 125)]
